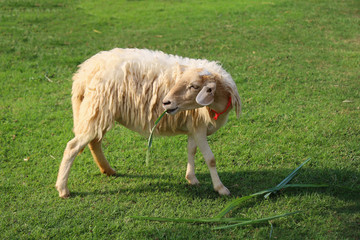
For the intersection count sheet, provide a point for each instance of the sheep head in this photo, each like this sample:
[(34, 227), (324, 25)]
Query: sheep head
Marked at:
[(196, 88)]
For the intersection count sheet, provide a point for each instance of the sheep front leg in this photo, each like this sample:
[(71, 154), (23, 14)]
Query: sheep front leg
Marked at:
[(190, 170), (201, 142)]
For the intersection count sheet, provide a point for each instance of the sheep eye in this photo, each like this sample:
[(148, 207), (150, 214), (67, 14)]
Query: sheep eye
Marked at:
[(194, 87)]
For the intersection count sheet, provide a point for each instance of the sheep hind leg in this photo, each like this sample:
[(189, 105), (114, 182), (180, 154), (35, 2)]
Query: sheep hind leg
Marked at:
[(190, 170), (99, 158), (72, 149)]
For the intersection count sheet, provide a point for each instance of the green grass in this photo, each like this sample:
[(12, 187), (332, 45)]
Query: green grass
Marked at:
[(296, 65)]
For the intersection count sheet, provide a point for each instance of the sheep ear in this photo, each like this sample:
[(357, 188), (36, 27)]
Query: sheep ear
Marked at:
[(206, 95)]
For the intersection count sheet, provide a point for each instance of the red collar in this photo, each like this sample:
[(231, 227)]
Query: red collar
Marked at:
[(218, 114)]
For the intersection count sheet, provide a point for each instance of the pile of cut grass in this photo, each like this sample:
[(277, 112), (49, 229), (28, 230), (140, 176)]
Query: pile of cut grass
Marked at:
[(237, 222)]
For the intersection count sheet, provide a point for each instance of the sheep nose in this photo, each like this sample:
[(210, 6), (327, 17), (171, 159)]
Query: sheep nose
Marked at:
[(166, 103)]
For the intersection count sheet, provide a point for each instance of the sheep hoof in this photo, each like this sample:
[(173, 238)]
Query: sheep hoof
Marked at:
[(224, 191), (109, 172), (192, 180), (63, 193)]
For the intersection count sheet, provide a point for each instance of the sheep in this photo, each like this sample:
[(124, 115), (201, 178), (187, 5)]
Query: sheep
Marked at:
[(133, 87)]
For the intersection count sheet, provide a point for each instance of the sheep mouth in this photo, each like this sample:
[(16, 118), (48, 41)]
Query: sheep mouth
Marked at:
[(172, 111)]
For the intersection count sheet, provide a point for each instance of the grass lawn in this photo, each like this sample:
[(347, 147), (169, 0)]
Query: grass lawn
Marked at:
[(296, 65)]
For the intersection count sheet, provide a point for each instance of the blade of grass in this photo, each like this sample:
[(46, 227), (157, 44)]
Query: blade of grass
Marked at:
[(151, 138), (238, 201), (260, 220), (193, 220), (271, 230), (289, 177), (305, 186)]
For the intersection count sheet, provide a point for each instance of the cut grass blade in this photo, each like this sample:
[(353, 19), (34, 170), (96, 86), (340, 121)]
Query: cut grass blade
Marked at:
[(255, 221), (271, 230), (238, 221), (237, 202), (233, 204), (151, 138), (193, 220), (288, 178)]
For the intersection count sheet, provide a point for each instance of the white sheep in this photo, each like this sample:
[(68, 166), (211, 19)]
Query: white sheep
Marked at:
[(132, 87)]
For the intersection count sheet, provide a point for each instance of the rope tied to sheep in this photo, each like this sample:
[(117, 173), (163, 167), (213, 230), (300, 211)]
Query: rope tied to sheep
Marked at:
[(218, 114)]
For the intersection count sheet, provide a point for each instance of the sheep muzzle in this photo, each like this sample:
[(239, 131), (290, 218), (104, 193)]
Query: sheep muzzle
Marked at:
[(170, 107)]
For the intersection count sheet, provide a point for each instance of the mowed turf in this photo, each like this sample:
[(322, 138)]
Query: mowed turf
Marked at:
[(296, 65)]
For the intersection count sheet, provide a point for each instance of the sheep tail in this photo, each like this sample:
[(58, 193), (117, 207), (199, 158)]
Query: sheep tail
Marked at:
[(78, 90)]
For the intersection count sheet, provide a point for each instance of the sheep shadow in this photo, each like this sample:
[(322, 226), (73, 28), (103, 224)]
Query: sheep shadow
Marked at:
[(239, 183), (244, 183)]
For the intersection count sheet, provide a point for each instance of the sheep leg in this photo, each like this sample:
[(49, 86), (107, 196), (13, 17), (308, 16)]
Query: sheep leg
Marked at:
[(72, 149), (190, 170), (201, 142), (99, 158)]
